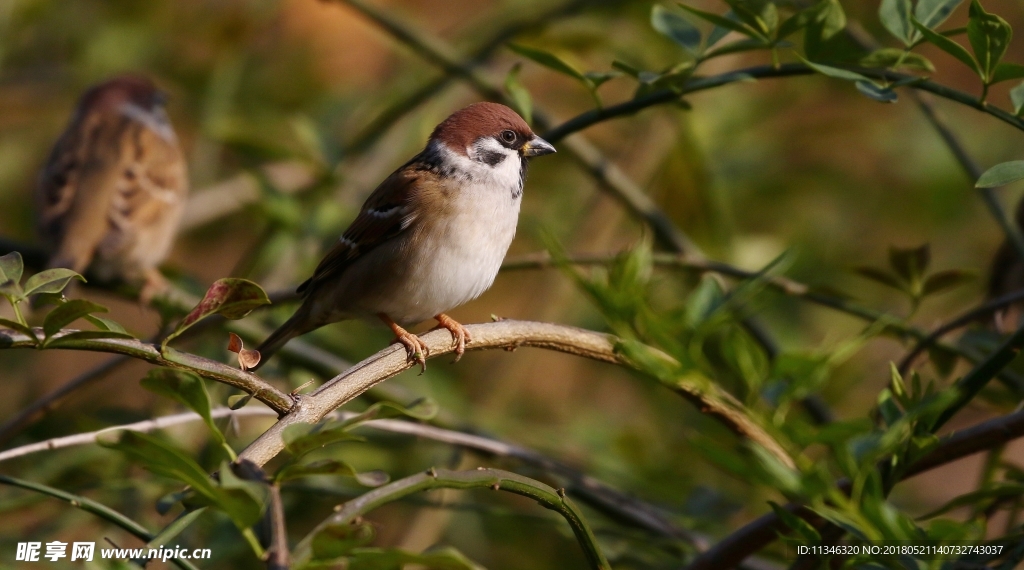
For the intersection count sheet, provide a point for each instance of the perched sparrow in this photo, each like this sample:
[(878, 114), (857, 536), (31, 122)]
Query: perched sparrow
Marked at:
[(113, 189), (431, 237)]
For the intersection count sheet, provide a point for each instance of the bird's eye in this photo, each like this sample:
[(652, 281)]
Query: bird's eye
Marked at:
[(508, 136)]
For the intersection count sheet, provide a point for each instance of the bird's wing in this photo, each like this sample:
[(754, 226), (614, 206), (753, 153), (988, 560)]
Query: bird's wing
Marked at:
[(75, 191), (390, 210)]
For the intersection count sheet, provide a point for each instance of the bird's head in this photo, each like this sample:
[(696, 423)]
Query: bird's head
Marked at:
[(124, 89), (490, 133), (132, 96)]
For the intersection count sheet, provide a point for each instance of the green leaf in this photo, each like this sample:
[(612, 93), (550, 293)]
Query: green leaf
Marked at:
[(910, 263), (722, 22), (832, 19), (707, 297), (998, 491), (1006, 71), (67, 313), (872, 91), (896, 58), (550, 61), (597, 78), (14, 325), (300, 439), (50, 281), (989, 36), (1001, 174), (945, 280), (835, 72), (423, 409), (230, 298), (880, 276), (932, 13), (335, 540), (1017, 97), (71, 338), (676, 28), (11, 268), (949, 46), (759, 15), (520, 95), (241, 499), (803, 528), (896, 17), (106, 324), (185, 388), (374, 478), (234, 497)]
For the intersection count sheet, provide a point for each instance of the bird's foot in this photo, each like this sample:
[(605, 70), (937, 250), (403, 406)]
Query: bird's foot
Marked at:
[(460, 336), (155, 285), (415, 348)]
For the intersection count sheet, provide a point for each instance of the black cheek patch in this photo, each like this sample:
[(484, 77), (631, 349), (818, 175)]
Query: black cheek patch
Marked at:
[(490, 157)]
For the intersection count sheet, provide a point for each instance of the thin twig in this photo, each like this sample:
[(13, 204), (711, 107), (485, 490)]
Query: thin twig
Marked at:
[(481, 478), (278, 556), (88, 505), (598, 494), (980, 312)]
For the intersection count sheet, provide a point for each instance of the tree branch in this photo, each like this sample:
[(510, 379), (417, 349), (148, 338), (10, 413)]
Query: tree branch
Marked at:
[(508, 335), (171, 358), (478, 479), (703, 83)]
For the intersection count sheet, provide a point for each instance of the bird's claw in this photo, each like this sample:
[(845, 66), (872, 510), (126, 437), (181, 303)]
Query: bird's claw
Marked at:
[(460, 336), (415, 348)]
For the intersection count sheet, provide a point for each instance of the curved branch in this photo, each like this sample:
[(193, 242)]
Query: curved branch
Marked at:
[(509, 335), (480, 478), (171, 358)]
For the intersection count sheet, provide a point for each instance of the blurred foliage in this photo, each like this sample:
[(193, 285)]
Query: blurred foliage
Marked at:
[(803, 177)]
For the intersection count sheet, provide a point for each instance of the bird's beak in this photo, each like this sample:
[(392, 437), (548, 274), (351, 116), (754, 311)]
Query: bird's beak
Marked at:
[(537, 147)]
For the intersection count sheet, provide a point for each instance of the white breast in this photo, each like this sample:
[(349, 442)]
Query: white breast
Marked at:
[(460, 256)]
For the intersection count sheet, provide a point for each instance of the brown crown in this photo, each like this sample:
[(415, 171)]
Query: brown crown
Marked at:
[(121, 89), (467, 125)]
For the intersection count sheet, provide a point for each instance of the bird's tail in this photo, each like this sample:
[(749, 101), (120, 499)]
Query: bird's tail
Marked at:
[(298, 324)]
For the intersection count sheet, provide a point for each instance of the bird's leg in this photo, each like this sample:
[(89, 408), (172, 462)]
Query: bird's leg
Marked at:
[(414, 347), (460, 336), (155, 284)]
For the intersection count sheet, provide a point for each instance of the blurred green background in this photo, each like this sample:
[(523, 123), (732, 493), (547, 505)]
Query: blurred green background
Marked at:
[(288, 87)]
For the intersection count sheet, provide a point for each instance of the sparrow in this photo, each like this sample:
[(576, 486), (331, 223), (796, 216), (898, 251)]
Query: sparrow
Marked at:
[(431, 237), (114, 186)]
